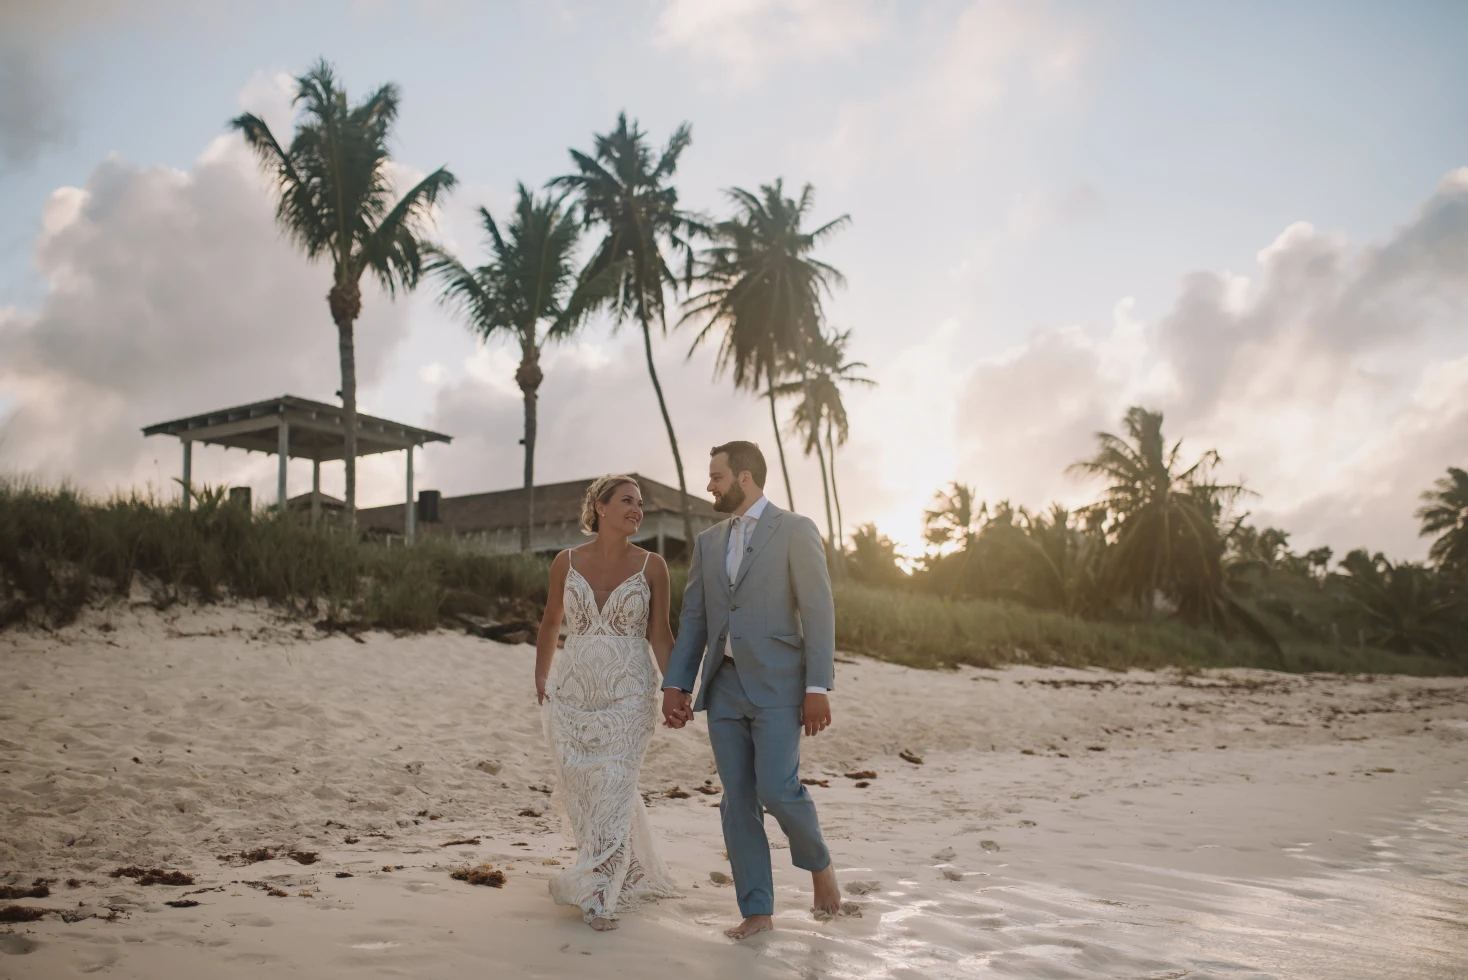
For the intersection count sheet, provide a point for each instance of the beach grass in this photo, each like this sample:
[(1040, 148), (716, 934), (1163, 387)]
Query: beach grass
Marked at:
[(61, 550)]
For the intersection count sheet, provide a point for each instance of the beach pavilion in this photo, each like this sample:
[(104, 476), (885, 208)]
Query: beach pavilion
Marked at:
[(296, 427)]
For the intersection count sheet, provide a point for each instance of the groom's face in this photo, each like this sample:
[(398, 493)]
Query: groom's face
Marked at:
[(727, 493)]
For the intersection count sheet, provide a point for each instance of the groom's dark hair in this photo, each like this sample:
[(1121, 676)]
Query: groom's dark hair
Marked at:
[(744, 456)]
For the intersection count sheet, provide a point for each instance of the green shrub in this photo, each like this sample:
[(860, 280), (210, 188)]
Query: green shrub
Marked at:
[(59, 551)]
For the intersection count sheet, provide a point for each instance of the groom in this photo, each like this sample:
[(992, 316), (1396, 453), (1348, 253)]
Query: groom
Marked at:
[(758, 616)]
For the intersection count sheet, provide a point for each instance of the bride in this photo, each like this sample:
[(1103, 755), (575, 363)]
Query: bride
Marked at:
[(599, 702)]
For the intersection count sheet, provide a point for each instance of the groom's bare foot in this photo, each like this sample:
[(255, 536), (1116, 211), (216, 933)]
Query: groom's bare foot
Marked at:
[(828, 892), (601, 924), (750, 926)]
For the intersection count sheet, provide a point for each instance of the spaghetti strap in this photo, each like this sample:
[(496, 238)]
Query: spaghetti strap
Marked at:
[(645, 561), (570, 560)]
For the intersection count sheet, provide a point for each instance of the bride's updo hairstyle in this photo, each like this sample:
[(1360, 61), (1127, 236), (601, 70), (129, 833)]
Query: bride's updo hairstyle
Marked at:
[(600, 492)]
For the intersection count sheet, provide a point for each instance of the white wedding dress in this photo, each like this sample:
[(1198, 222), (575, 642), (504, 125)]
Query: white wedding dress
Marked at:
[(599, 717)]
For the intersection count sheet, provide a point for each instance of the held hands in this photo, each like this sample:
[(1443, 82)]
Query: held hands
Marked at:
[(815, 713), (677, 708)]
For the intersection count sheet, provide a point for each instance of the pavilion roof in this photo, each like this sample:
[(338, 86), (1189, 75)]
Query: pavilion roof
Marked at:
[(316, 429)]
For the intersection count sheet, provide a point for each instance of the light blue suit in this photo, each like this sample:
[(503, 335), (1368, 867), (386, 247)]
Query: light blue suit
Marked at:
[(780, 621)]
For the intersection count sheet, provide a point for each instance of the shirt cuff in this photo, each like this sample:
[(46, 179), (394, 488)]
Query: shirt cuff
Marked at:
[(816, 690)]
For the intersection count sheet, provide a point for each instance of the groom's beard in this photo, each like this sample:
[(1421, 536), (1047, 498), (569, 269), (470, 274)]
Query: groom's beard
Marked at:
[(731, 501)]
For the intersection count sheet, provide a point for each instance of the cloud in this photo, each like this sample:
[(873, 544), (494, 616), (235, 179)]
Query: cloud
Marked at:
[(1024, 416), (964, 69), (33, 114), (1337, 385), (169, 293), (748, 38), (35, 95)]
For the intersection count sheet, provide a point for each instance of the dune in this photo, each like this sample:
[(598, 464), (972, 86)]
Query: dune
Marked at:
[(320, 790)]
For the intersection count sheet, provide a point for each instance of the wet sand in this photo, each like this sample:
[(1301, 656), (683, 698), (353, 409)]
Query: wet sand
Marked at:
[(1062, 823)]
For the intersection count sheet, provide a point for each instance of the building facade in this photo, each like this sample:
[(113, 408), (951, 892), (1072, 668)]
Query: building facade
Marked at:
[(491, 522)]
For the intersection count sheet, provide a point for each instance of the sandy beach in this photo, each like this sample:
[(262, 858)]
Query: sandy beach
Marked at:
[(1044, 823)]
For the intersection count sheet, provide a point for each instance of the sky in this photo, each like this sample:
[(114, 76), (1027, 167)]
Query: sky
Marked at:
[(1252, 217)]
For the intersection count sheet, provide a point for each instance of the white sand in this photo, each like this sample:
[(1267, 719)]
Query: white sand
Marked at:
[(1236, 824)]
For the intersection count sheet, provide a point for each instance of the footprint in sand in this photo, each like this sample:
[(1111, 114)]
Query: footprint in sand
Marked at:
[(862, 887), (259, 921), (848, 910), (14, 944), (106, 961), (947, 854)]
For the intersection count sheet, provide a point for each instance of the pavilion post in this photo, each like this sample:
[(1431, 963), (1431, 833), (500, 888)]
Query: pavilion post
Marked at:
[(188, 473), (662, 544), (283, 449), (410, 510), (315, 491)]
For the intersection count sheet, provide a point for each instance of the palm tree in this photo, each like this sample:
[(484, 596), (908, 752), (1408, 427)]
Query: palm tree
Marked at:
[(953, 518), (1165, 522), (1445, 513), (530, 280), (1060, 563), (874, 557), (335, 200), (829, 371), (1407, 609), (624, 190), (763, 289)]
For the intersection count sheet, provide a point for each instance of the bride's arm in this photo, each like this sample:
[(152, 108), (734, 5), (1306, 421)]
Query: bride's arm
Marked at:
[(659, 633), (550, 623)]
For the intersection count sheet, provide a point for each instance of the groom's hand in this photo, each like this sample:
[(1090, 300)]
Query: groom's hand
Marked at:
[(815, 713), (677, 708)]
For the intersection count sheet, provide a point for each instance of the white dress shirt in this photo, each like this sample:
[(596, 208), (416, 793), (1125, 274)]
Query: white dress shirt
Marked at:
[(741, 532)]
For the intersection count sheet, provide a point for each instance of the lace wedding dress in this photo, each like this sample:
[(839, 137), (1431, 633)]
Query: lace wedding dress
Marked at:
[(599, 718)]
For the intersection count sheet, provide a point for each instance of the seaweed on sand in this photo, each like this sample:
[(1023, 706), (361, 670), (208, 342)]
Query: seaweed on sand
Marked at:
[(479, 874), (153, 876)]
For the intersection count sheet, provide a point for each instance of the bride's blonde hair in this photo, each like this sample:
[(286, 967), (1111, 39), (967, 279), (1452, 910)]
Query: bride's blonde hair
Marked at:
[(600, 492)]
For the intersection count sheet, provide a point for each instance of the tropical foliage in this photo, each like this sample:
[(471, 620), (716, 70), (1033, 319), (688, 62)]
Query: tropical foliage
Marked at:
[(528, 292), (1444, 514), (762, 295), (1163, 543), (1405, 607), (336, 201), (873, 558), (821, 413), (625, 194)]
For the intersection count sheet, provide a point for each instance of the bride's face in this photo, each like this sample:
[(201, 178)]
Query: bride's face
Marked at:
[(623, 513)]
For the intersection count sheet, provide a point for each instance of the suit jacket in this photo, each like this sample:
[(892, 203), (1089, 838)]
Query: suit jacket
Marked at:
[(778, 615)]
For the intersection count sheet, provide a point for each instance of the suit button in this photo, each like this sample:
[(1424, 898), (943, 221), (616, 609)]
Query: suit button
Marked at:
[(733, 608)]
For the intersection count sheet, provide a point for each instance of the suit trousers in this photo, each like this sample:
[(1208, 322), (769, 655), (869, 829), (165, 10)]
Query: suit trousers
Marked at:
[(757, 751)]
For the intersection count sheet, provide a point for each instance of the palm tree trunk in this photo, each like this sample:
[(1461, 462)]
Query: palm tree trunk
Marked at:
[(835, 497), (780, 445), (815, 424), (345, 300), (667, 419), (529, 377)]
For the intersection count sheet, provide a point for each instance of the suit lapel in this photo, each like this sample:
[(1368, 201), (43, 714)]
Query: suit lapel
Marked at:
[(764, 529)]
